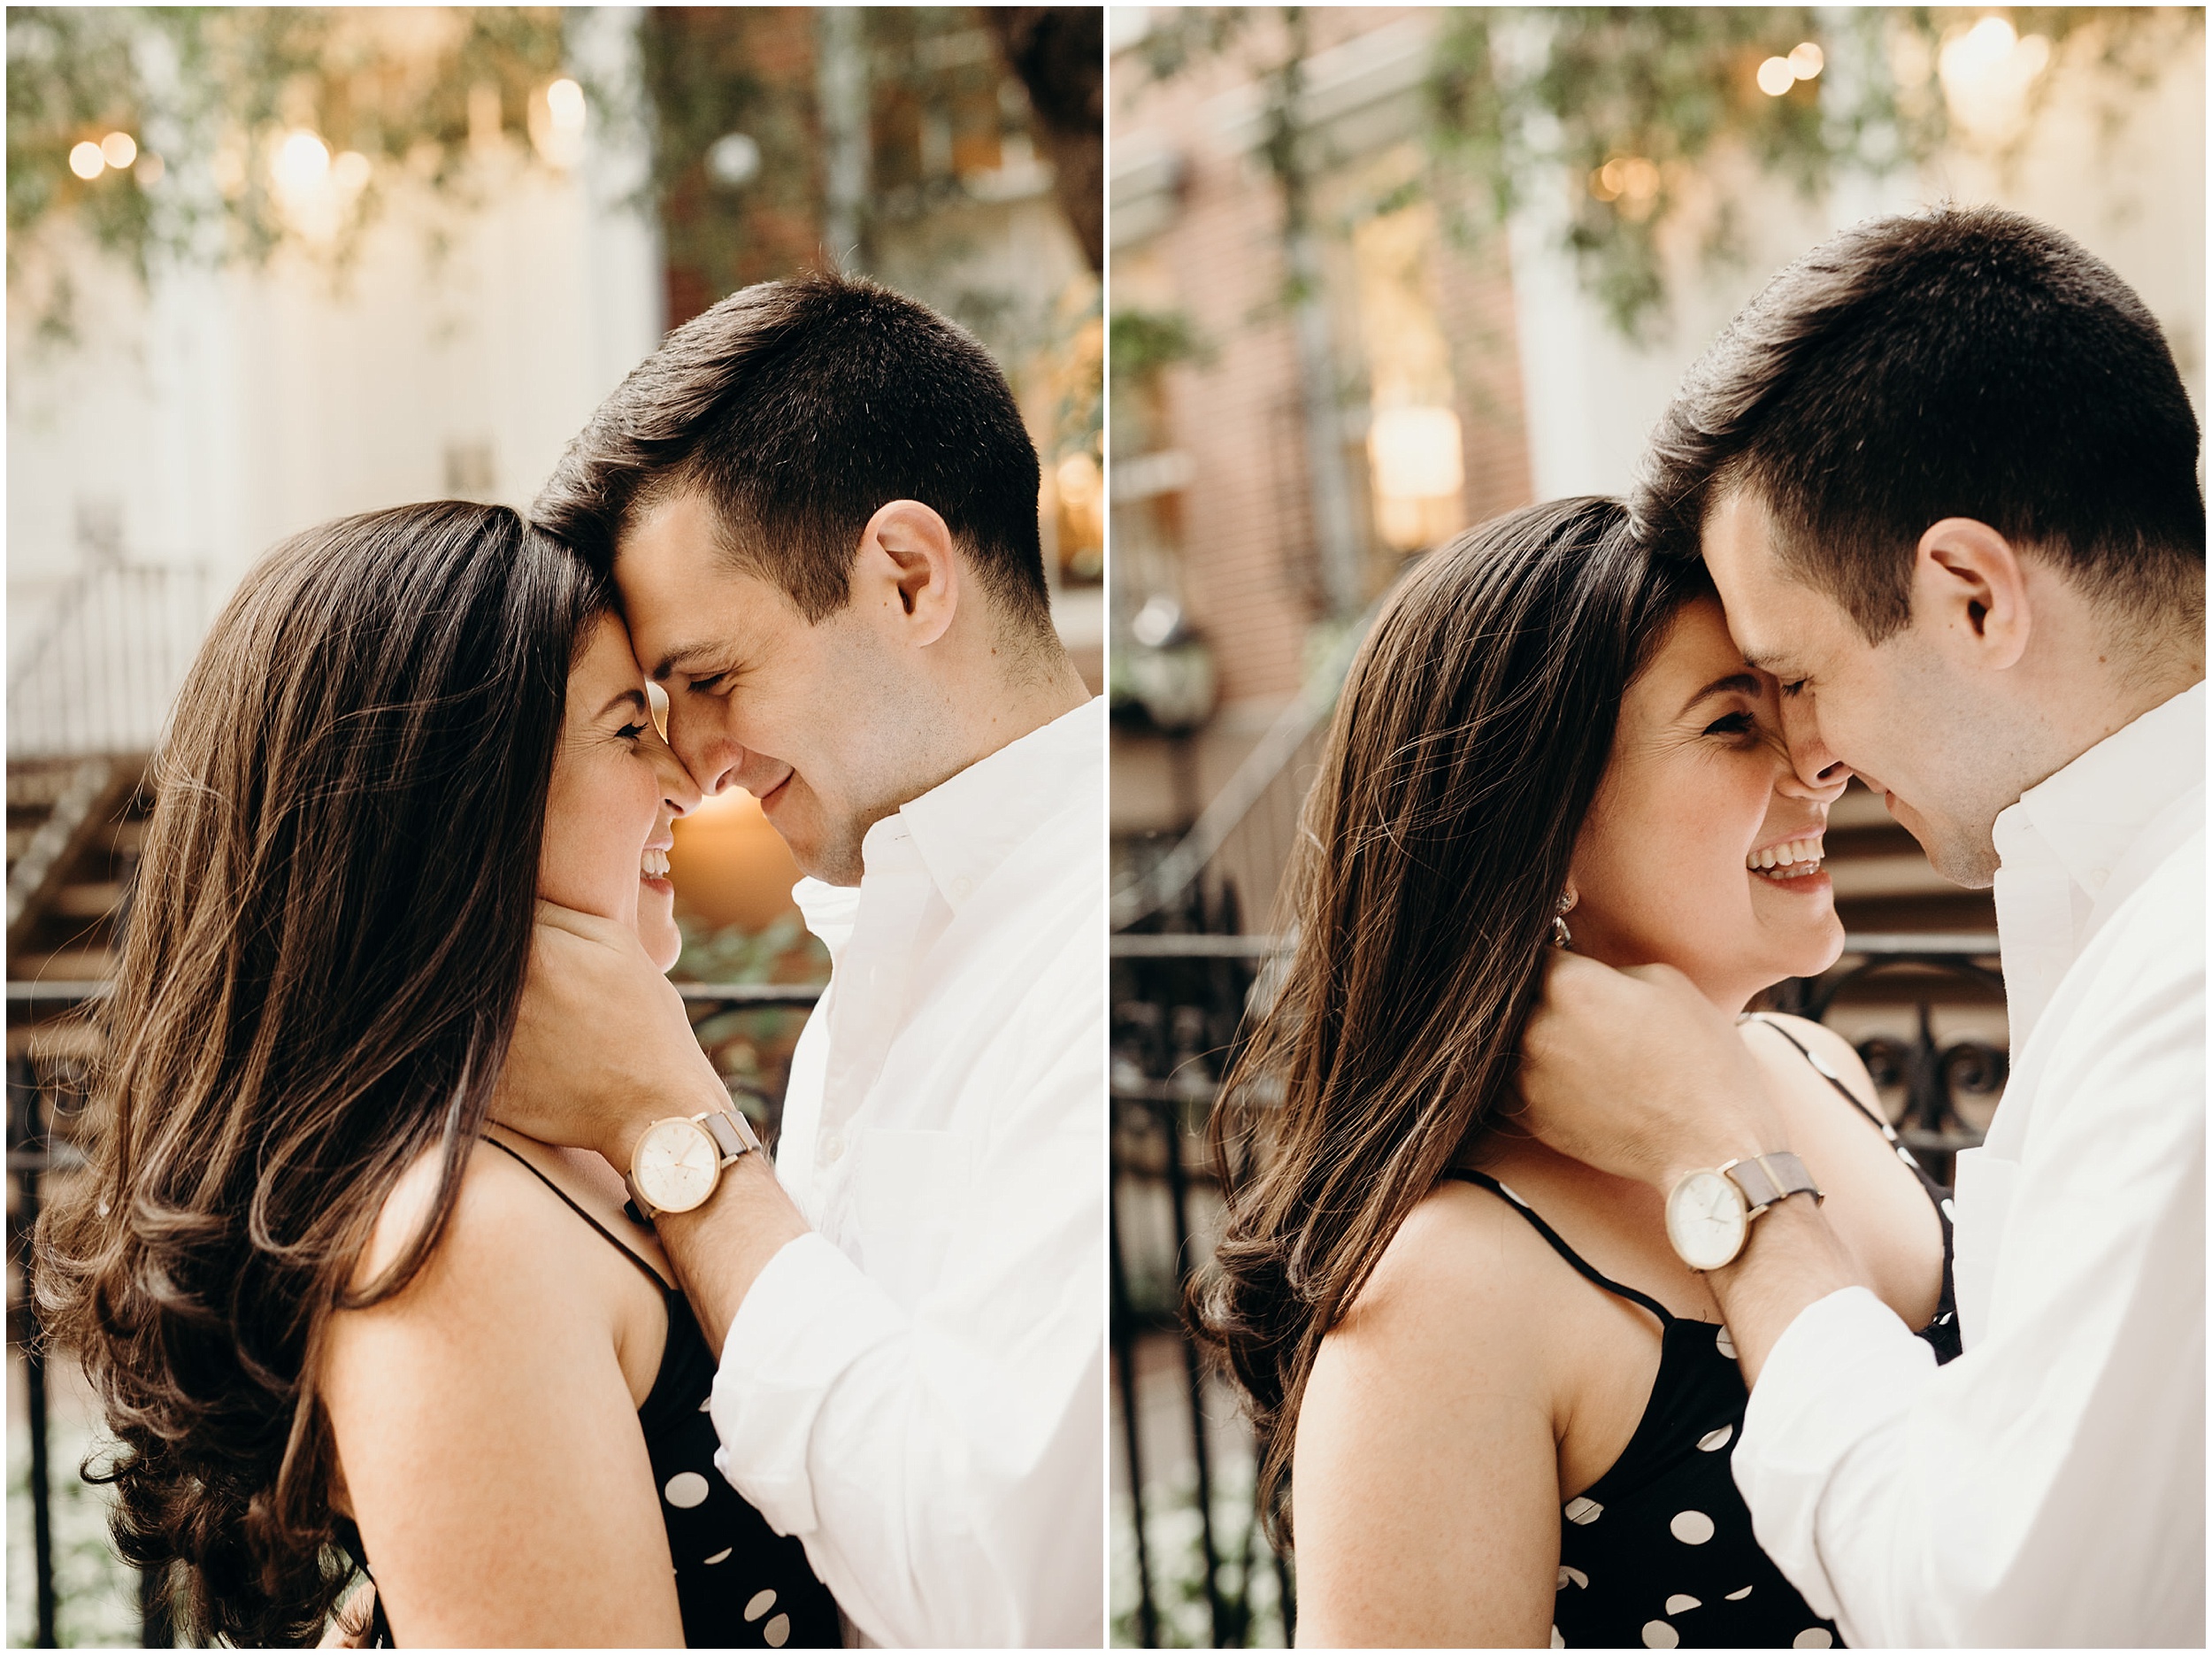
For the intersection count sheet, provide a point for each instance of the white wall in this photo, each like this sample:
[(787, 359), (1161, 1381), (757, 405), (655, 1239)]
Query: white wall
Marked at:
[(2135, 198), (223, 410)]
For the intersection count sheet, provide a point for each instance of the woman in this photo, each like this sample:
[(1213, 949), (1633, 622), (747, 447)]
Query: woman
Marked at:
[(336, 1315), (1497, 1404)]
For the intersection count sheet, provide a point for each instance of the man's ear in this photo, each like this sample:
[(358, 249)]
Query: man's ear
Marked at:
[(1970, 591), (907, 571)]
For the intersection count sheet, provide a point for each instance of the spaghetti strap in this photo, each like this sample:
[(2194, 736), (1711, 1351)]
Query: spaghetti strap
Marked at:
[(1467, 1174), (1820, 1067), (612, 1239), (1938, 1194)]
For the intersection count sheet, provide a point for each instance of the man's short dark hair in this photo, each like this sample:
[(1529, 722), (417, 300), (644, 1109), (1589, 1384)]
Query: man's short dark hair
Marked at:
[(1958, 362), (798, 408)]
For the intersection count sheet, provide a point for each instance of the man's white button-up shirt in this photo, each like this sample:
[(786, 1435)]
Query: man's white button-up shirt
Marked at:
[(2048, 1487), (917, 1388)]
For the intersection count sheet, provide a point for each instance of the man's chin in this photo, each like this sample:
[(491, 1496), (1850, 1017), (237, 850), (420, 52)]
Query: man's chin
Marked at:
[(837, 864), (1963, 858)]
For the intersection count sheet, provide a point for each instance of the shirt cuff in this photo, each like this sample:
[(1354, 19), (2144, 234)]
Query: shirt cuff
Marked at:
[(1846, 1367), (809, 1316)]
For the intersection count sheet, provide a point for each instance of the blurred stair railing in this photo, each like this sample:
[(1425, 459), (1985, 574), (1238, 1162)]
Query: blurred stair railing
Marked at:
[(1244, 836), (81, 789), (100, 674)]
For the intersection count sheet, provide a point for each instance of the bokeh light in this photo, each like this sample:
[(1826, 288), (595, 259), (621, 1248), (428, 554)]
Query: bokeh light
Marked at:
[(86, 161), (302, 161), (564, 102)]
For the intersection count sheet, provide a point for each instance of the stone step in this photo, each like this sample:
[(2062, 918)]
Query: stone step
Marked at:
[(37, 786), (67, 964), (94, 901), (48, 1042)]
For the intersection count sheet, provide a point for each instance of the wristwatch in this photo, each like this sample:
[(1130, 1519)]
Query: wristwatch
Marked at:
[(1710, 1211), (678, 1161)]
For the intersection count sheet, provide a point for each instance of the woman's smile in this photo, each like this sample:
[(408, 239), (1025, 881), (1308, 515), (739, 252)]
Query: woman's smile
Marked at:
[(1795, 862), (653, 867)]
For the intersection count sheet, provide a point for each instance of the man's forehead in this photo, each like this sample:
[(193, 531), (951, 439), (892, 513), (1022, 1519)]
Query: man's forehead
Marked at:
[(1755, 594), (664, 536), (1737, 532)]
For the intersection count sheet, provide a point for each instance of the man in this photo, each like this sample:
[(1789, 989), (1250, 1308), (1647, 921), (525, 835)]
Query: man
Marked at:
[(1943, 472), (819, 505)]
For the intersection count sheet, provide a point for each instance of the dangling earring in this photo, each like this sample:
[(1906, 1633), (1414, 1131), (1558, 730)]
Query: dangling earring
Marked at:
[(1561, 937)]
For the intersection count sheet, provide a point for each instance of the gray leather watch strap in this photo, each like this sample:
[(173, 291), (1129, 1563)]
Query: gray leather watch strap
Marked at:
[(1766, 1179), (725, 1135)]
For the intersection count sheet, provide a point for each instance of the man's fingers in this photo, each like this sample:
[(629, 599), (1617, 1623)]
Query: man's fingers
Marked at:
[(592, 928), (1660, 976)]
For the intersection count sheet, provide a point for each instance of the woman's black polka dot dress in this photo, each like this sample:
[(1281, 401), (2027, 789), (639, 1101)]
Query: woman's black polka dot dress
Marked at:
[(1658, 1551), (740, 1585)]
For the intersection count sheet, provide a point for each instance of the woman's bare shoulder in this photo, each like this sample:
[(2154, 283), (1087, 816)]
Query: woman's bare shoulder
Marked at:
[(1425, 1475), (507, 1240), (1463, 1270), (443, 1398)]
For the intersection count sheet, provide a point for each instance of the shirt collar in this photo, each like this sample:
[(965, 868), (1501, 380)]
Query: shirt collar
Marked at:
[(968, 824), (2089, 814), (830, 911)]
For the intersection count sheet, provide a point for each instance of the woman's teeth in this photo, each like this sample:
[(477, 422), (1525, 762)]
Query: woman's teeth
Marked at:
[(653, 865), (1793, 860)]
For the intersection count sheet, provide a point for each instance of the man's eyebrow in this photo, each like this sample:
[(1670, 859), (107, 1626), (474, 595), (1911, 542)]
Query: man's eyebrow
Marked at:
[(634, 696), (1743, 683), (684, 655)]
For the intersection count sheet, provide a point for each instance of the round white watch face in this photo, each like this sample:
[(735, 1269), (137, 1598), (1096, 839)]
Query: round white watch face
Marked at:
[(1706, 1219), (677, 1164)]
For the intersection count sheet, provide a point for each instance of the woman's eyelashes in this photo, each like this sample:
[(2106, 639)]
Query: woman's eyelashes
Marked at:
[(1733, 724)]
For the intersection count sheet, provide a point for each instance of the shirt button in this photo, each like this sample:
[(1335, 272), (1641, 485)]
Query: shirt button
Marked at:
[(832, 1146), (962, 886)]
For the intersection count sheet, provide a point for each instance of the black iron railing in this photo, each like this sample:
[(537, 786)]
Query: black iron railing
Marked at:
[(1178, 1000), (47, 1092)]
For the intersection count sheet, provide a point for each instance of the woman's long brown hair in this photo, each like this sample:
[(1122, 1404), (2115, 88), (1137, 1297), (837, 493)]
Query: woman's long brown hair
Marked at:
[(1469, 742), (326, 952)]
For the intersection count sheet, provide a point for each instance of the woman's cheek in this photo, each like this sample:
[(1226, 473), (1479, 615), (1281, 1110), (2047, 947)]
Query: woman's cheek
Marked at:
[(584, 868)]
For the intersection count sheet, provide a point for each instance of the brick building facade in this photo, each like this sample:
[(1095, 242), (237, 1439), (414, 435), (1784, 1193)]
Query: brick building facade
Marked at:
[(1213, 499)]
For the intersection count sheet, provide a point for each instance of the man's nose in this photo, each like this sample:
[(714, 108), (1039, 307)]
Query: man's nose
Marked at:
[(1815, 770), (679, 787), (710, 759)]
